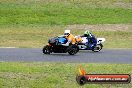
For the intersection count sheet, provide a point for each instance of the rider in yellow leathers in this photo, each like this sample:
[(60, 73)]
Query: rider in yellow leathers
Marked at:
[(69, 37)]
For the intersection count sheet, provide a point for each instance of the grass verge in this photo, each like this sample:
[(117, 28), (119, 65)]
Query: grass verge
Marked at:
[(55, 75), (38, 36)]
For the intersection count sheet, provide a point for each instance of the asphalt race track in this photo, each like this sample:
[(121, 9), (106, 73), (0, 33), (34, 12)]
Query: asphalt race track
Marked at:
[(35, 54)]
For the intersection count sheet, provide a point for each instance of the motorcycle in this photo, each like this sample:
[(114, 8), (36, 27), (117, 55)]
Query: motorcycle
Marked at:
[(83, 44), (59, 45)]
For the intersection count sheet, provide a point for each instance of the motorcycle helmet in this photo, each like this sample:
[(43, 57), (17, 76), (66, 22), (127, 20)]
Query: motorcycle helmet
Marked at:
[(66, 32), (86, 33)]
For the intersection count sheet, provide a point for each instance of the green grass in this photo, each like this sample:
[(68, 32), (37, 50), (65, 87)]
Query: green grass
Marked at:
[(62, 12), (55, 75), (30, 23), (38, 36)]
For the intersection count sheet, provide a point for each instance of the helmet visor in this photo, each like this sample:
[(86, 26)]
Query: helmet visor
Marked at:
[(66, 33)]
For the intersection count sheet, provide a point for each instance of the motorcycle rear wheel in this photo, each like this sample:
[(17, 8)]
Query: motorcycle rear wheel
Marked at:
[(46, 49)]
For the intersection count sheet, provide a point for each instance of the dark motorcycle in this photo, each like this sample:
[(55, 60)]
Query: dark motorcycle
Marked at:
[(57, 45)]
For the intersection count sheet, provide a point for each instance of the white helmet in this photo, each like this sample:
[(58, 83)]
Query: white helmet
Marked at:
[(66, 32)]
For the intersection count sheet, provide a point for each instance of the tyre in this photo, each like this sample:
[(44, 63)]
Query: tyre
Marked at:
[(81, 80), (73, 49), (97, 48), (46, 49)]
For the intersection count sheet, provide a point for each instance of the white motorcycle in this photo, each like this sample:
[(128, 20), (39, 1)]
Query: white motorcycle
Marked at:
[(84, 45)]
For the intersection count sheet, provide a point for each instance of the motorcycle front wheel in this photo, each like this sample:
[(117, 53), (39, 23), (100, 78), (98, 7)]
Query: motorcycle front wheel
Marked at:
[(97, 48), (73, 49)]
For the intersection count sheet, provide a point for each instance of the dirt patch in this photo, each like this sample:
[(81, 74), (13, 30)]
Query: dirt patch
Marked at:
[(123, 5), (102, 27)]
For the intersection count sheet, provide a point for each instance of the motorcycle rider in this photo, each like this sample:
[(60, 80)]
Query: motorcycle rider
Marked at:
[(92, 41), (69, 37)]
